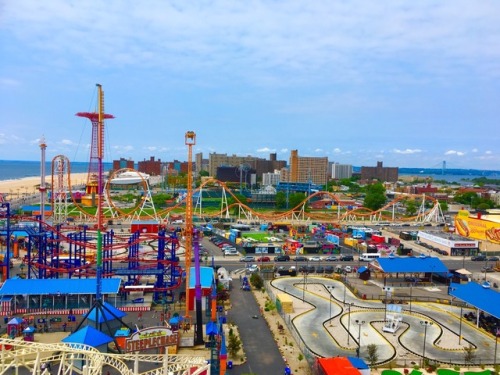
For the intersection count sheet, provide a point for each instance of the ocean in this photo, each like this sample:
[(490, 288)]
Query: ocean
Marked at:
[(16, 169)]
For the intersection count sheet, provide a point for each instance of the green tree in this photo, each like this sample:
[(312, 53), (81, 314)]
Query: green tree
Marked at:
[(233, 345), (295, 199), (256, 280), (372, 355), (204, 174), (411, 207), (444, 206), (375, 196), (280, 199), (469, 354)]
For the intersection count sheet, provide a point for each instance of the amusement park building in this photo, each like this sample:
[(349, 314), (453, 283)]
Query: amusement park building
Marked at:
[(380, 173)]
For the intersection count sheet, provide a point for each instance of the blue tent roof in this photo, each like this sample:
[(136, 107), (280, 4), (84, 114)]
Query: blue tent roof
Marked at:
[(206, 277), (362, 269), (88, 335), (109, 311), (15, 287), (15, 321), (411, 264), (358, 363), (475, 294)]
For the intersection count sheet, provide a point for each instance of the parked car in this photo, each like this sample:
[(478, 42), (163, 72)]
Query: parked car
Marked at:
[(328, 269), (263, 259), (346, 258), (493, 259), (300, 258), (479, 258), (252, 268), (315, 259), (320, 269), (247, 258), (487, 269), (282, 258), (348, 269), (331, 258), (311, 269)]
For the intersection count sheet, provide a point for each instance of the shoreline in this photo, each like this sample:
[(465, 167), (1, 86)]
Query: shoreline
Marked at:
[(26, 186)]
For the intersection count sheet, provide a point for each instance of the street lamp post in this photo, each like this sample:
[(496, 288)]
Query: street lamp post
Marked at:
[(411, 294), (305, 281), (460, 329), (426, 324), (496, 346), (359, 323), (349, 322), (330, 288)]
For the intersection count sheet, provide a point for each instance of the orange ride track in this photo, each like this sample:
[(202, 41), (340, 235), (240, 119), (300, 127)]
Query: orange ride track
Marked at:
[(296, 213)]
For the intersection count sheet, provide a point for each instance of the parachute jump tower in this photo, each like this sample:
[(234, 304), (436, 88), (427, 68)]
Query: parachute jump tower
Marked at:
[(96, 147), (97, 153)]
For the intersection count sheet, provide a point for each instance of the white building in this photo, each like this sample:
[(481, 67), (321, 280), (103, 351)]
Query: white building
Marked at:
[(271, 178), (341, 171)]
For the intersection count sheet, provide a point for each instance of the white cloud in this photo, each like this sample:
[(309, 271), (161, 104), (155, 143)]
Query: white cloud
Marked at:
[(8, 82), (453, 152), (488, 152), (67, 142), (337, 150), (408, 151), (475, 150), (318, 150), (265, 150)]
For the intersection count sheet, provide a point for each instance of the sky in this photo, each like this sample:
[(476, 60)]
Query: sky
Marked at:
[(408, 83)]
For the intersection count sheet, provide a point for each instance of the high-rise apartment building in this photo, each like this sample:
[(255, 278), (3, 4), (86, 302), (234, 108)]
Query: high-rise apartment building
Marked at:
[(340, 171), (258, 164), (271, 178), (123, 163), (151, 166), (308, 169)]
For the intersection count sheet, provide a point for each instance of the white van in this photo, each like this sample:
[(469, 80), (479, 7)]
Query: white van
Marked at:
[(368, 257)]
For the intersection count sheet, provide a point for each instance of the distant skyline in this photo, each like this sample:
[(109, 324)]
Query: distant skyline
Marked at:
[(411, 84)]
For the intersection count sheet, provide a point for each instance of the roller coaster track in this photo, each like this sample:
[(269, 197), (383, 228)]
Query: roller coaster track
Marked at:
[(299, 213), (16, 354)]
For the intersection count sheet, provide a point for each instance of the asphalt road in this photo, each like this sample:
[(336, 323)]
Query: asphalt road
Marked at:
[(263, 356)]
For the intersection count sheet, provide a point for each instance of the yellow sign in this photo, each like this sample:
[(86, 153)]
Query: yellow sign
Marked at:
[(153, 337), (477, 228)]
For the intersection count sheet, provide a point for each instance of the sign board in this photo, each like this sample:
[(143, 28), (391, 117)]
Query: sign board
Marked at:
[(150, 338)]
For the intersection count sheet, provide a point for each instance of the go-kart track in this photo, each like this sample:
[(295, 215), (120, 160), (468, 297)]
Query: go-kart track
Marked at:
[(329, 327)]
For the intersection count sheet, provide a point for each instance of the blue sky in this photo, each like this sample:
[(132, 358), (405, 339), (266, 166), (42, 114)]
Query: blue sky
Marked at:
[(409, 83)]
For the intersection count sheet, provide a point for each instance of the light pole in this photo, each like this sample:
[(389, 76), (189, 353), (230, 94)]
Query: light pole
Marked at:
[(349, 321), (460, 329), (305, 281), (496, 345), (411, 293), (359, 323), (330, 288), (426, 324)]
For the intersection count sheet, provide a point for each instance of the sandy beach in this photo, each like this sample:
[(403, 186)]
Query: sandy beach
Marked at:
[(22, 187)]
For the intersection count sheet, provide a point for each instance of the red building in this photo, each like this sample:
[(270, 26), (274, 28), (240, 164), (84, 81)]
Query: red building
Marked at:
[(151, 167)]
